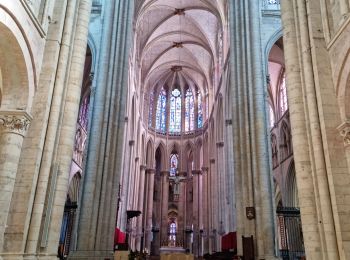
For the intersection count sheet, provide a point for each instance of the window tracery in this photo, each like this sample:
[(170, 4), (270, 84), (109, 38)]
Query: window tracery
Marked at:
[(200, 110), (272, 117), (189, 112), (274, 150), (174, 162), (283, 96), (151, 104), (161, 111), (175, 111)]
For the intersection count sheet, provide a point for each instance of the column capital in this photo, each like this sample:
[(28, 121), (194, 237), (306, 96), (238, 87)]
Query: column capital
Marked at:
[(150, 171), (196, 172), (183, 174), (143, 167), (220, 144), (205, 169), (344, 130), (164, 173), (15, 121)]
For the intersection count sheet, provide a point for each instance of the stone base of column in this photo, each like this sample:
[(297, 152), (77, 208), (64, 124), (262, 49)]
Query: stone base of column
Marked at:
[(12, 256), (91, 255), (268, 257)]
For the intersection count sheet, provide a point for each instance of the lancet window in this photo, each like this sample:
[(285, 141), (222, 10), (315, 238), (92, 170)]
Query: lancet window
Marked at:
[(161, 111), (283, 96), (189, 113), (174, 162), (175, 111), (200, 110)]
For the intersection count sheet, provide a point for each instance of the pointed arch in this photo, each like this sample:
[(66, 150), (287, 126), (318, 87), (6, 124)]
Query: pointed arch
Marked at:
[(73, 189), (285, 141), (150, 154), (163, 155), (291, 189)]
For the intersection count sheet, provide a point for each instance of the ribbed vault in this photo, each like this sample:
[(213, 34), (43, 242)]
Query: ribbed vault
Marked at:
[(179, 42)]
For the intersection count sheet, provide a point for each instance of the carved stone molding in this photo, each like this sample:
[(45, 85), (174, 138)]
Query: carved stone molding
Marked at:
[(197, 172), (16, 122), (344, 130), (151, 171), (205, 169), (220, 144), (164, 173), (143, 167)]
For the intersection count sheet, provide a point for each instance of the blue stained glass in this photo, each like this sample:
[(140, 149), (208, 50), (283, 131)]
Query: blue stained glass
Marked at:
[(175, 111), (200, 110), (151, 104), (174, 162), (161, 111), (189, 112)]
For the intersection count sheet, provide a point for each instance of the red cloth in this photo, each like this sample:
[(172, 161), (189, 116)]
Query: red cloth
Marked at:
[(229, 241), (119, 237)]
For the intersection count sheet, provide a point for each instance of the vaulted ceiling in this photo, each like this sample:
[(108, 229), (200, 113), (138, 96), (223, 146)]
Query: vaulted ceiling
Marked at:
[(179, 41)]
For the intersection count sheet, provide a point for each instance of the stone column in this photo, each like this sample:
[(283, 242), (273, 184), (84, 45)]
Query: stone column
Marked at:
[(95, 232), (164, 207), (197, 211), (306, 55), (181, 218), (205, 211), (213, 205), (148, 223), (140, 206), (13, 127)]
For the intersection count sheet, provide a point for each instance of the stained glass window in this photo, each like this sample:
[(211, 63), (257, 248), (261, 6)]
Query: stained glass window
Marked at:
[(189, 112), (151, 104), (174, 162), (175, 111), (161, 111), (283, 96), (84, 112), (200, 110), (272, 117), (172, 234)]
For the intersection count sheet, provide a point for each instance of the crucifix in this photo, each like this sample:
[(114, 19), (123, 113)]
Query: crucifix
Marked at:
[(177, 180)]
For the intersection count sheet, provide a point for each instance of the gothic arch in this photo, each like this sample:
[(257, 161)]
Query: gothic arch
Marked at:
[(143, 149), (150, 153), (199, 154), (273, 39), (163, 153), (343, 87), (285, 142), (17, 69), (73, 190), (291, 190)]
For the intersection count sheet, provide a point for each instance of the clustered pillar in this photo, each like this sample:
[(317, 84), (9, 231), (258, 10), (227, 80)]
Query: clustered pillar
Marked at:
[(149, 208), (13, 127)]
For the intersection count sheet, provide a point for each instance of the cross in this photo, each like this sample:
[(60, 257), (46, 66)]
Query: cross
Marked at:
[(177, 179)]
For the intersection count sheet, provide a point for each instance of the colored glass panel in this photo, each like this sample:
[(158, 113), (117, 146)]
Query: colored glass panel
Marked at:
[(161, 111), (200, 110), (174, 162), (189, 112), (175, 111)]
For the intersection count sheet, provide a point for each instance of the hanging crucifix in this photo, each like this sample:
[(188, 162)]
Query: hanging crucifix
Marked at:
[(176, 180)]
